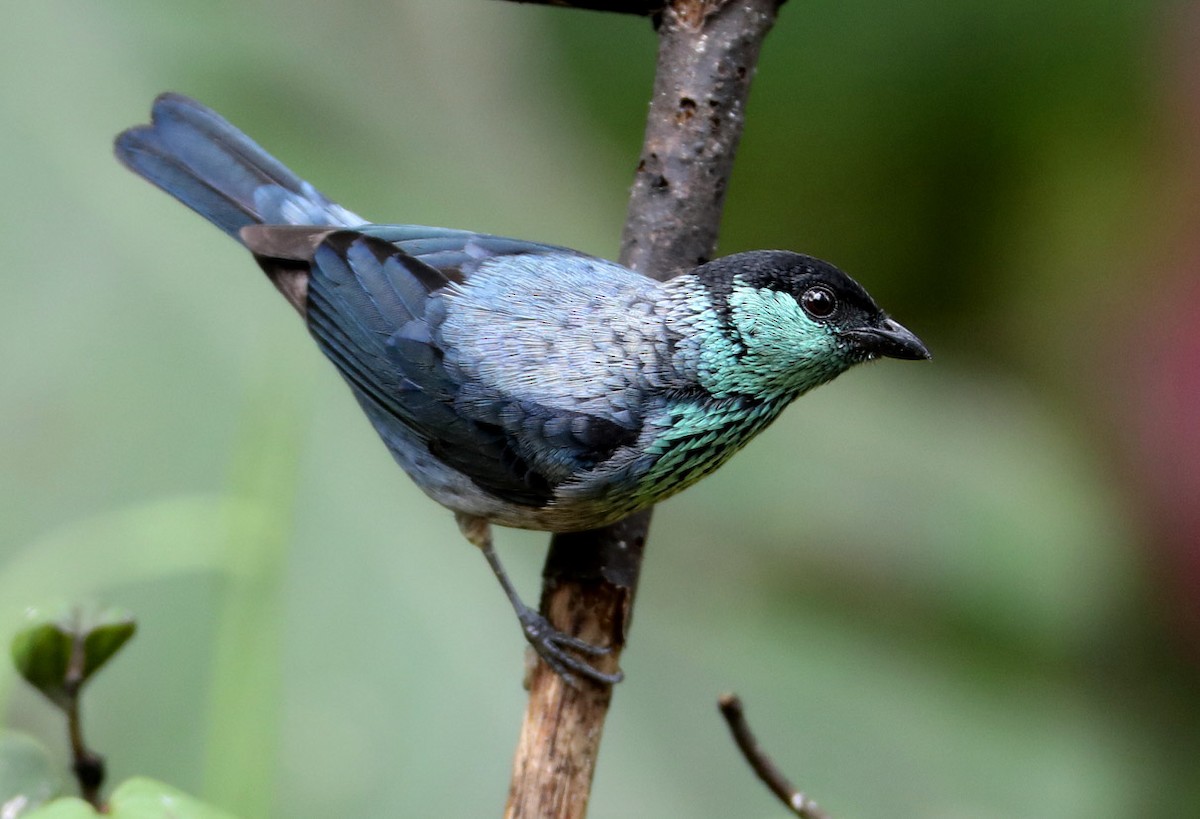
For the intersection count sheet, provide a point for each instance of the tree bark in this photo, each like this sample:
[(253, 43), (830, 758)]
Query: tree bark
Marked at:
[(708, 50)]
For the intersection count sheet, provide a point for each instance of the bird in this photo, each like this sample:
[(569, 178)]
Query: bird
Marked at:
[(523, 384)]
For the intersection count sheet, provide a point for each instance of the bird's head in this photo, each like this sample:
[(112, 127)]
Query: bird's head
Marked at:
[(794, 322)]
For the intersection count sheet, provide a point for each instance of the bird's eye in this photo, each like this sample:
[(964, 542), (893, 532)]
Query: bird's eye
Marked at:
[(819, 302)]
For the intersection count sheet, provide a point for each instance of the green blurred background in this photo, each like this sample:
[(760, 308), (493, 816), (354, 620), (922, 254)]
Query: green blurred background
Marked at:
[(961, 589)]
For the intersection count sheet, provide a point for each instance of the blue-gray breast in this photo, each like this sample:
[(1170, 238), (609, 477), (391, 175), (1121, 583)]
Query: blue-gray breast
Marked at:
[(519, 383)]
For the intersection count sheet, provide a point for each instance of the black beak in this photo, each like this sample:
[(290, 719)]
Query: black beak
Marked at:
[(889, 338)]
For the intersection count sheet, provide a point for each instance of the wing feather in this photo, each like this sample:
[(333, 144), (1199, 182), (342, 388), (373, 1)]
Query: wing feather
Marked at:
[(375, 309)]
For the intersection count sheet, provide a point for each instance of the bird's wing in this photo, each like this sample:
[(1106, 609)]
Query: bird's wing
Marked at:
[(374, 304), (456, 254)]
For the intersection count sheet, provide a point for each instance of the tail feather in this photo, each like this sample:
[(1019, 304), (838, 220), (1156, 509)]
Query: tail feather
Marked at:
[(196, 156)]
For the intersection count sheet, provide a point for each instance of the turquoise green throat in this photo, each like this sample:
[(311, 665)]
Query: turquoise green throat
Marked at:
[(754, 361)]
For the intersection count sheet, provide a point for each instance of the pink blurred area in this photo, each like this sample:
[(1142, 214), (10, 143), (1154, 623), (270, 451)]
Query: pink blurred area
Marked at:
[(1162, 343)]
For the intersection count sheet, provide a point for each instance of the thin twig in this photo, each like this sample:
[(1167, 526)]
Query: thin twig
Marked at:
[(763, 765), (643, 8), (87, 765)]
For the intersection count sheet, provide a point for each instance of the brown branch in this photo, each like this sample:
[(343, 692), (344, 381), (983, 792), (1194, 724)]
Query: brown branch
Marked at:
[(764, 767), (708, 50)]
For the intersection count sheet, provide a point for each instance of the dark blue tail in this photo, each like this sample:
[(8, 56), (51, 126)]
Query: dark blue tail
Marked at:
[(196, 156)]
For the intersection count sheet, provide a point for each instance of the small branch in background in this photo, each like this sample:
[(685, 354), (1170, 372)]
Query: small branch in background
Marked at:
[(87, 765), (764, 767), (58, 655), (642, 8)]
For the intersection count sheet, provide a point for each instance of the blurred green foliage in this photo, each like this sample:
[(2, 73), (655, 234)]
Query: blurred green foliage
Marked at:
[(929, 583)]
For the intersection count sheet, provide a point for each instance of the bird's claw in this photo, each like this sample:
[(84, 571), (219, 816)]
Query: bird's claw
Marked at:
[(552, 646)]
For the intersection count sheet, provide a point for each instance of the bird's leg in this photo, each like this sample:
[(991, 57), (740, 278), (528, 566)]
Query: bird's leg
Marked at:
[(550, 643)]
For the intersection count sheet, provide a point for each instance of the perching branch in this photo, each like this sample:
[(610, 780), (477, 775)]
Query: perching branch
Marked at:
[(708, 50), (764, 767)]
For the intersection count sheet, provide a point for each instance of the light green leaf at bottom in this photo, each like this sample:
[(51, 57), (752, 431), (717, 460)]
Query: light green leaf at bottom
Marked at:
[(136, 798), (69, 807), (141, 798), (28, 776)]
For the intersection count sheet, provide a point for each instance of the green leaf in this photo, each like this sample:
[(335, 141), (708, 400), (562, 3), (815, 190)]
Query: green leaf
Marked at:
[(109, 631), (141, 798), (42, 655), (43, 652), (28, 775), (69, 807), (136, 798)]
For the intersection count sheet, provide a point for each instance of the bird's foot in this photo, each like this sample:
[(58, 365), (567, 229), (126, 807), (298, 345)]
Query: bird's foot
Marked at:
[(550, 644), (554, 647)]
